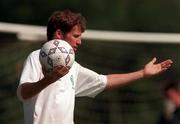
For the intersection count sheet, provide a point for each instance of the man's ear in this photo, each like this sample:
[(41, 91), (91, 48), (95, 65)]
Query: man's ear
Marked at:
[(59, 34)]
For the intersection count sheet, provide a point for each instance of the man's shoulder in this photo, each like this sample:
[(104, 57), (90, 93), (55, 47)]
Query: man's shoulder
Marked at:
[(35, 53), (75, 65)]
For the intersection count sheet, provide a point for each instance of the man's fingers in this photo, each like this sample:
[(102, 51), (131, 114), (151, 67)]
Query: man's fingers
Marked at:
[(153, 60), (62, 70), (166, 63)]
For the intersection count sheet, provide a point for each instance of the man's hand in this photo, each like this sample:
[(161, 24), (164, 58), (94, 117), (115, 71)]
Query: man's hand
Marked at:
[(57, 73), (152, 69)]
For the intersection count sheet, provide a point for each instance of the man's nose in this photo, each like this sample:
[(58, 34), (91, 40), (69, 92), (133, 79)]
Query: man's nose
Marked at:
[(79, 42)]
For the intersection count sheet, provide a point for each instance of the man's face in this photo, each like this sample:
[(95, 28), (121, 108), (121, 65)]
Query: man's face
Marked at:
[(74, 37)]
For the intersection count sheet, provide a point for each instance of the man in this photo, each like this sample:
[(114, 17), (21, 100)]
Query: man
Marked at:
[(48, 98), (171, 109)]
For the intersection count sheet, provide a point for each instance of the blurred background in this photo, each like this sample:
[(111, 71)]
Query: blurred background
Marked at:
[(139, 103)]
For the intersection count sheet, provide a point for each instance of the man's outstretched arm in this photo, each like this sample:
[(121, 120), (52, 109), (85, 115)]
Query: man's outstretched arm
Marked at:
[(150, 69)]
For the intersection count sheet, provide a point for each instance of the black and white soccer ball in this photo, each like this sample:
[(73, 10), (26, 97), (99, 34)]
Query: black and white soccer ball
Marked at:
[(56, 53)]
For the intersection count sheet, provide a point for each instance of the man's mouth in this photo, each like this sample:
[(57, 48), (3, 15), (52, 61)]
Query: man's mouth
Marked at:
[(75, 48)]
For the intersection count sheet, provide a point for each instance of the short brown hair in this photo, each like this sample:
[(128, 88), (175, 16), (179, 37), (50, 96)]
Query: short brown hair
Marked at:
[(64, 20)]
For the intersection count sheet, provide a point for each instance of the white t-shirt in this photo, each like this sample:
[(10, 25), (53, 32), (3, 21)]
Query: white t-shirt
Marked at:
[(55, 103)]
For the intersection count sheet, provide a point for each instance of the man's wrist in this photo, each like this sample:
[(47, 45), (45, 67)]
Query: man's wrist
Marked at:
[(142, 73)]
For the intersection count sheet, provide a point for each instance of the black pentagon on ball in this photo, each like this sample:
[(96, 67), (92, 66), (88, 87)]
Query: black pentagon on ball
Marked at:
[(43, 54), (63, 50), (52, 51), (56, 43), (49, 61)]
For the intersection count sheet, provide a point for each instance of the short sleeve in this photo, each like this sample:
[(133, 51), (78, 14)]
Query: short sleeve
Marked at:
[(89, 83), (31, 72)]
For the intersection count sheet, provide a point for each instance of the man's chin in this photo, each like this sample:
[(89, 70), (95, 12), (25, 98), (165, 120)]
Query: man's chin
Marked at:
[(75, 49)]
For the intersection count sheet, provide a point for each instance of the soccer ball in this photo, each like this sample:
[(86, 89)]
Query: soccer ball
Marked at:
[(56, 53)]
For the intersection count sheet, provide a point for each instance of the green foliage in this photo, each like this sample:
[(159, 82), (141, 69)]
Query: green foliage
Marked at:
[(121, 15)]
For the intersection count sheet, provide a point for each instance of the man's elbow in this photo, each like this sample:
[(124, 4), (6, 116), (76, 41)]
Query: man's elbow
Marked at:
[(20, 95)]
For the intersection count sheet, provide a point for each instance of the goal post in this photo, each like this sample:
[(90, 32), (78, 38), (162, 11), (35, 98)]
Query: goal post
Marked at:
[(38, 33)]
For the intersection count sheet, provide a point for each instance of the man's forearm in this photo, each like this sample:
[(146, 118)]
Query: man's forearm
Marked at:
[(29, 90), (118, 80)]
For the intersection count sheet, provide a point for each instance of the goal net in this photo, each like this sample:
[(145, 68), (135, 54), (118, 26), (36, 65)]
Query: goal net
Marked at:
[(104, 52)]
